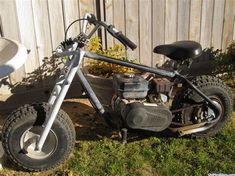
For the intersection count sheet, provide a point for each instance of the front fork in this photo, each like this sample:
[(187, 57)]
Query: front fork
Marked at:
[(59, 92)]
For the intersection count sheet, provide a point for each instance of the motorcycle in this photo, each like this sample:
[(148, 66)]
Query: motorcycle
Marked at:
[(41, 136)]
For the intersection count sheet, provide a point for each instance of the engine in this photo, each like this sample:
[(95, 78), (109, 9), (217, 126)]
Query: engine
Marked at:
[(131, 102)]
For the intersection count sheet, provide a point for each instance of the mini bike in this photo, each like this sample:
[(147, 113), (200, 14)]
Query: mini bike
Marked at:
[(40, 136)]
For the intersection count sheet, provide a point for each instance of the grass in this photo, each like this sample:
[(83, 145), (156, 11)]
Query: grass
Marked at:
[(151, 156), (156, 156)]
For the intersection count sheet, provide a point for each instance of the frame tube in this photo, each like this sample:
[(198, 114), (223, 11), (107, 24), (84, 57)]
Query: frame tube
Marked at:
[(95, 101), (59, 100), (129, 64)]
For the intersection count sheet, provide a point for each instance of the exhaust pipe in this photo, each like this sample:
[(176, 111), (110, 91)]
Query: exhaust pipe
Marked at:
[(195, 128)]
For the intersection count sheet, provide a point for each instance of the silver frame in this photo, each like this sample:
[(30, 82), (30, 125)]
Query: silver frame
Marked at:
[(72, 67)]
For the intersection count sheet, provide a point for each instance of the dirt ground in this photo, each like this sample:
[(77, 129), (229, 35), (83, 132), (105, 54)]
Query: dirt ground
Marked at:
[(88, 124)]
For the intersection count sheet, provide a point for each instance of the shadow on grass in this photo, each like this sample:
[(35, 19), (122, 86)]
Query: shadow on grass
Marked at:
[(90, 126)]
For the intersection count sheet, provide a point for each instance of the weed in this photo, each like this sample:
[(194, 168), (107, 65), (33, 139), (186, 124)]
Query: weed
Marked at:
[(100, 68)]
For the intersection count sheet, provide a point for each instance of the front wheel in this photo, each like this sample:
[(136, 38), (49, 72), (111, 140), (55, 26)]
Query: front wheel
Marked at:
[(195, 110), (22, 129)]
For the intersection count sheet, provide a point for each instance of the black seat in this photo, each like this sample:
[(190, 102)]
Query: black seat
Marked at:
[(180, 50)]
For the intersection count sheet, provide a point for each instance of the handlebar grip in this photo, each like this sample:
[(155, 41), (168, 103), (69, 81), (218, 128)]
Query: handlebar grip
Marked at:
[(126, 41)]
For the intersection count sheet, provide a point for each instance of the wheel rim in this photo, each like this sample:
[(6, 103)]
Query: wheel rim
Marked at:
[(28, 143)]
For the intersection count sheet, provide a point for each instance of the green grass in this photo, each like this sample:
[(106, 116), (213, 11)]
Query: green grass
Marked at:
[(151, 156), (155, 156)]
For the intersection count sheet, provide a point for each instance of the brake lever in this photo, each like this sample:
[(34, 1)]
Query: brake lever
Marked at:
[(91, 19)]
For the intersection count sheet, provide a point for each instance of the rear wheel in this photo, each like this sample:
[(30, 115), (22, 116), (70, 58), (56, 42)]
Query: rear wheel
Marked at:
[(22, 129), (198, 111)]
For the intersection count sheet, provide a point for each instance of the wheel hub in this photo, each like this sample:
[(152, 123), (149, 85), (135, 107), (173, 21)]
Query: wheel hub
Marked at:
[(203, 114), (29, 139)]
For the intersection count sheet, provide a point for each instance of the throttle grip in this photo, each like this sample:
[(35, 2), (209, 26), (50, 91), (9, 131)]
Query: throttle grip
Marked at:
[(122, 38), (126, 41)]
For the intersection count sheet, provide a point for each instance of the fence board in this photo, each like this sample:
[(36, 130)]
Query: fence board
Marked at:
[(119, 14), (86, 6), (206, 23), (145, 32), (71, 13), (229, 16), (132, 26), (42, 29), (27, 33), (218, 19), (102, 17), (158, 25), (109, 19), (1, 32), (195, 20), (171, 21), (56, 22), (234, 29), (10, 27), (183, 20), (43, 34)]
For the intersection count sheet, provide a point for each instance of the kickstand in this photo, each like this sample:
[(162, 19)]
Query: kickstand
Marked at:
[(124, 135)]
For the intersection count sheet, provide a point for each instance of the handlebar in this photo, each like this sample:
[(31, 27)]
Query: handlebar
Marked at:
[(122, 38), (81, 39), (112, 30)]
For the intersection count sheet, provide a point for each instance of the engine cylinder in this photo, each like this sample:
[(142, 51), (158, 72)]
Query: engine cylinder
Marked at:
[(130, 86)]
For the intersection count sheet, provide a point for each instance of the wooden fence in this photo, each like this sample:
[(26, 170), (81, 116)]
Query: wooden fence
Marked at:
[(40, 24), (150, 23)]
